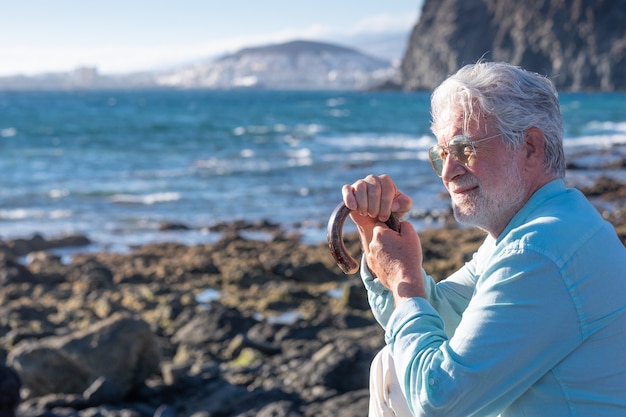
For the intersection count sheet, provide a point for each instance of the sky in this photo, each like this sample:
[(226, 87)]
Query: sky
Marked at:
[(120, 36)]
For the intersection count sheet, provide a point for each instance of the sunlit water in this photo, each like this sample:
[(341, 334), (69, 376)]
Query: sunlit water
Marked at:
[(116, 165)]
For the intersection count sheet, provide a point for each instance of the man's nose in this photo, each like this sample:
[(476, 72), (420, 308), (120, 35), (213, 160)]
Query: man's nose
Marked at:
[(451, 168)]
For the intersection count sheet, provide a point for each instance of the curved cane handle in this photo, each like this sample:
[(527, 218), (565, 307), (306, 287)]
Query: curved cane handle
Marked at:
[(335, 238)]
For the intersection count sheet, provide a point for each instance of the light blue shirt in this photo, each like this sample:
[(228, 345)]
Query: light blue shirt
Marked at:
[(533, 325)]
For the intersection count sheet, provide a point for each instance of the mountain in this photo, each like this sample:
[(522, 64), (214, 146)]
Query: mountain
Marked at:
[(579, 44), (302, 65)]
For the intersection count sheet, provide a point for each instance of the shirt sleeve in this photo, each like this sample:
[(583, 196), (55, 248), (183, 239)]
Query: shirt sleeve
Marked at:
[(379, 297), (449, 297), (505, 341)]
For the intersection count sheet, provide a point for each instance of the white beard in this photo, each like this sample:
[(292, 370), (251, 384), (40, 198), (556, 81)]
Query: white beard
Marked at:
[(490, 210)]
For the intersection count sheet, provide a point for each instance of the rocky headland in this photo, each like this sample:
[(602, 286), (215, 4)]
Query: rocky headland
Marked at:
[(579, 44), (239, 327)]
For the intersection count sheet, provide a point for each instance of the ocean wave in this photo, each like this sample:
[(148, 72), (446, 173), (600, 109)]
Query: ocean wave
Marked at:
[(148, 199), (8, 132), (254, 161), (334, 102), (398, 141), (25, 214), (603, 141), (607, 126), (299, 129), (58, 193)]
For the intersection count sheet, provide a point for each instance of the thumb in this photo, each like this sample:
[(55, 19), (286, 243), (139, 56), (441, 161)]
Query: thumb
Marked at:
[(407, 228)]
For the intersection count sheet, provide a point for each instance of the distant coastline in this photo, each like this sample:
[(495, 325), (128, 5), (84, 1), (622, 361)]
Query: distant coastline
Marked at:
[(294, 65)]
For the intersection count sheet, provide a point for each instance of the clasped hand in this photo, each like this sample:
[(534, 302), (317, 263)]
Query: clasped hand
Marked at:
[(395, 258)]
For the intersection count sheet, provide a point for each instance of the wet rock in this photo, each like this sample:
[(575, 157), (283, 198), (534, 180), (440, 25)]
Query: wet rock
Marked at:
[(122, 349), (102, 391), (36, 243), (10, 385), (12, 272), (340, 365), (210, 330), (169, 226)]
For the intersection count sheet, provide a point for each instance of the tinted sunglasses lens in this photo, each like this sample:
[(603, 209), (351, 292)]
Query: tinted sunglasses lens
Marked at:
[(461, 150), (436, 154)]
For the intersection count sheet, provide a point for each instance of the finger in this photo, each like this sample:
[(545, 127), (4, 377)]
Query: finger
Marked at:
[(402, 204), (359, 192), (349, 200), (388, 192), (374, 190)]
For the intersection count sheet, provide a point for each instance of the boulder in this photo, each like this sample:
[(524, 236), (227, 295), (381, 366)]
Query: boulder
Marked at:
[(121, 349)]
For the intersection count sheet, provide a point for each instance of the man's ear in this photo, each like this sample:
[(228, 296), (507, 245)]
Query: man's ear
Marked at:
[(534, 146)]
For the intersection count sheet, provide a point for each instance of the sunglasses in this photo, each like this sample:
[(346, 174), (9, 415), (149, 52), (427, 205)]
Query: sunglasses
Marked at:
[(460, 147)]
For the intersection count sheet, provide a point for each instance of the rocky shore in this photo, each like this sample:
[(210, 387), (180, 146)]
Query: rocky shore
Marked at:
[(236, 328)]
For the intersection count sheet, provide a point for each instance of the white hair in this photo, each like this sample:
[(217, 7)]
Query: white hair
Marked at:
[(511, 98)]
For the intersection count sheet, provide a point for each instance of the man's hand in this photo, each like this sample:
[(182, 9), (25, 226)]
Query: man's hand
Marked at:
[(396, 259), (372, 200)]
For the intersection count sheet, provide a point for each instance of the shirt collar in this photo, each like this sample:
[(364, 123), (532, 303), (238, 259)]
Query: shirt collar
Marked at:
[(540, 196)]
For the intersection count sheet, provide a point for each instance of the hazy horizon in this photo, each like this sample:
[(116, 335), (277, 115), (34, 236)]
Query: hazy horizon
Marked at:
[(117, 37)]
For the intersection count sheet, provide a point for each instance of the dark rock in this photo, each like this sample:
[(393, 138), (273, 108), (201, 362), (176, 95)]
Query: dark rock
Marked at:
[(168, 226), (121, 348), (22, 247), (10, 385), (216, 324), (92, 274), (102, 391), (339, 365), (580, 44), (606, 188), (12, 271), (165, 411)]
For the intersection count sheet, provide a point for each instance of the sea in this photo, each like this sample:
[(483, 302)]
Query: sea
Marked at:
[(116, 166)]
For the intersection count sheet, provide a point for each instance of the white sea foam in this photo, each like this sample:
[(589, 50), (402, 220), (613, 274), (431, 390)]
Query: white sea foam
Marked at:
[(60, 214), (309, 129), (599, 135), (380, 141), (58, 193), (20, 214), (299, 129), (147, 199), (604, 141), (608, 126), (8, 132), (299, 157), (25, 214), (339, 112), (246, 153), (334, 102)]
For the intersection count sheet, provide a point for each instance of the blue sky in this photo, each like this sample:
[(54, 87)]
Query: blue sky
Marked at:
[(130, 35)]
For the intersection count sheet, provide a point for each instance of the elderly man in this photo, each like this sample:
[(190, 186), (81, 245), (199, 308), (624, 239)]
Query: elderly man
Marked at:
[(535, 323)]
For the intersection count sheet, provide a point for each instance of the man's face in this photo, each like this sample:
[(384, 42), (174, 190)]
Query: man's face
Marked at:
[(489, 191)]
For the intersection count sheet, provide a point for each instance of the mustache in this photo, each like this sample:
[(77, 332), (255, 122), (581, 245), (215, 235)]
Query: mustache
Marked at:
[(464, 181)]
